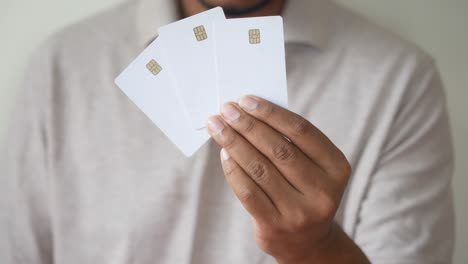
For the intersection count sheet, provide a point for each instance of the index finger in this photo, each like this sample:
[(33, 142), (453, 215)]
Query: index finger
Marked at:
[(316, 145)]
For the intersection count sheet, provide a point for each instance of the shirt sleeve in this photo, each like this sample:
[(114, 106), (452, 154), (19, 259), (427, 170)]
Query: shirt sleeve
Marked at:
[(26, 224), (407, 214)]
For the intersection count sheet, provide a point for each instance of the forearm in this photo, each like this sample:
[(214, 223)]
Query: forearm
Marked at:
[(338, 248)]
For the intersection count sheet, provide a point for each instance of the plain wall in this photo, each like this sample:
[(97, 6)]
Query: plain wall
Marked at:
[(439, 26)]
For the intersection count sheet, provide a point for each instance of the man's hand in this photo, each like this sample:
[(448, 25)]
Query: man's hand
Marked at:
[(288, 175)]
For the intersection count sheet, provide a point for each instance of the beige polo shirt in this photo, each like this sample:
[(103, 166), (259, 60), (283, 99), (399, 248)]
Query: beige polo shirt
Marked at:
[(92, 180)]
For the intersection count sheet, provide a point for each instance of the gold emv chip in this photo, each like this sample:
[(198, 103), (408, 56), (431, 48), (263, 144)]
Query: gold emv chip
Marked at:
[(254, 36), (154, 67), (200, 33)]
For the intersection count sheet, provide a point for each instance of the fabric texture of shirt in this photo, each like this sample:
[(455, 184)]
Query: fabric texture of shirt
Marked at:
[(92, 180)]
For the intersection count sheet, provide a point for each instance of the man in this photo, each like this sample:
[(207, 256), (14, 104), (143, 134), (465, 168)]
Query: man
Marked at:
[(97, 182)]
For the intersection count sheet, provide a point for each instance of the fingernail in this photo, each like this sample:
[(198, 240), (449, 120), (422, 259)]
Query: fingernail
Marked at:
[(225, 155), (230, 112), (248, 103), (215, 126)]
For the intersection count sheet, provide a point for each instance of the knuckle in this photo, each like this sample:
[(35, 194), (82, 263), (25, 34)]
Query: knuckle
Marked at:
[(299, 222), (250, 125), (229, 169), (298, 125), (327, 209), (268, 110), (229, 141), (284, 151), (346, 167), (258, 171), (342, 169), (246, 195)]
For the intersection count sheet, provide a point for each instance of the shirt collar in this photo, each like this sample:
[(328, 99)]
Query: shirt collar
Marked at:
[(305, 21)]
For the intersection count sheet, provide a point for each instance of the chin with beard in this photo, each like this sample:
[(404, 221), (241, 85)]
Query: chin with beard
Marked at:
[(234, 11)]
